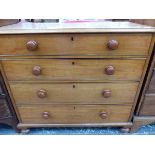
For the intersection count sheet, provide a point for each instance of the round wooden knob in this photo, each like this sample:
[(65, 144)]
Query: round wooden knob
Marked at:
[(103, 115), (45, 115), (110, 70), (113, 44), (42, 93), (106, 93), (36, 70), (32, 45)]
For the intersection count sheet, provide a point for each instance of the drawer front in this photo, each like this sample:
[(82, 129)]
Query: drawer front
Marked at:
[(74, 113), (75, 44), (74, 69), (4, 109), (68, 93), (151, 87)]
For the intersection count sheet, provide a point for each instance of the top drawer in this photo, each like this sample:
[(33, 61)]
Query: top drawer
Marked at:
[(75, 44)]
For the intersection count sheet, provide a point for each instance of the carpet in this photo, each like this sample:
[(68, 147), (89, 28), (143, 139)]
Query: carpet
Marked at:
[(145, 130)]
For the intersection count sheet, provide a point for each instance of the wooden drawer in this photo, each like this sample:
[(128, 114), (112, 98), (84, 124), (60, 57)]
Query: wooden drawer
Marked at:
[(74, 113), (74, 69), (151, 87), (68, 93), (75, 44)]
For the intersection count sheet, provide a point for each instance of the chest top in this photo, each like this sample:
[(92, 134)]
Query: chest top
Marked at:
[(87, 27)]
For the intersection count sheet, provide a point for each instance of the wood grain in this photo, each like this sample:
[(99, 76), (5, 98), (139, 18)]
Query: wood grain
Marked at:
[(73, 69), (81, 93), (82, 44), (71, 90), (22, 57), (49, 125), (74, 113)]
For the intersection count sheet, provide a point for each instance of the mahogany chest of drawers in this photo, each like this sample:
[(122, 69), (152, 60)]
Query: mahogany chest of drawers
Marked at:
[(75, 76)]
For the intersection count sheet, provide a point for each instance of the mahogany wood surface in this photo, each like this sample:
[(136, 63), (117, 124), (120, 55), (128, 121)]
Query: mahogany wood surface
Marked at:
[(69, 93), (37, 125), (83, 77), (83, 44), (73, 113), (74, 69)]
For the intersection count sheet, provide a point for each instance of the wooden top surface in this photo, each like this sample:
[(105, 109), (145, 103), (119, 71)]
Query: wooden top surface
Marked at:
[(85, 27)]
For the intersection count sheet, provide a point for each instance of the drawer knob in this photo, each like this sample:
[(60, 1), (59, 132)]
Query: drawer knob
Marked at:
[(36, 70), (103, 115), (106, 93), (42, 93), (46, 115), (110, 70), (112, 44), (32, 45)]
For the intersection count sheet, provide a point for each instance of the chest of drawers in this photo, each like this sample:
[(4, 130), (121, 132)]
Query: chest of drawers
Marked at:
[(75, 76)]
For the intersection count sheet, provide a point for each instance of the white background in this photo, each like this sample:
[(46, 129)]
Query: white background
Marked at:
[(77, 9)]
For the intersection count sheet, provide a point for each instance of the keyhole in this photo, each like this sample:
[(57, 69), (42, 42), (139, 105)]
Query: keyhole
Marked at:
[(73, 86), (74, 108), (73, 63), (72, 38)]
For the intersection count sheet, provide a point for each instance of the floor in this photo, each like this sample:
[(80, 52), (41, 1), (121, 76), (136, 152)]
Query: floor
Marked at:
[(145, 130)]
